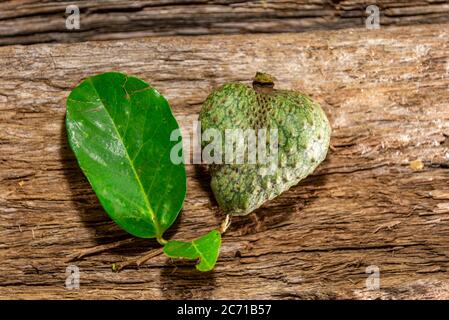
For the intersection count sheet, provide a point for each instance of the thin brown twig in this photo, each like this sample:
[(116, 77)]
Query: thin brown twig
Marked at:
[(137, 260), (97, 249)]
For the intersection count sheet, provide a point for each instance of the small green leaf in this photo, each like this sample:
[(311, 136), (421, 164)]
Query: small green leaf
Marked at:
[(119, 129), (205, 248)]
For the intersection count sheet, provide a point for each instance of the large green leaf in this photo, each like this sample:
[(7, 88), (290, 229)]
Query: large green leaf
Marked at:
[(205, 248), (119, 129)]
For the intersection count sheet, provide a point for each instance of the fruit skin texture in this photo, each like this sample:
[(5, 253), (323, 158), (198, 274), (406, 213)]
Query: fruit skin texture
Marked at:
[(303, 140)]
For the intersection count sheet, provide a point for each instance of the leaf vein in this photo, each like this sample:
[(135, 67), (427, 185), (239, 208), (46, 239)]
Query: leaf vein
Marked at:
[(147, 203)]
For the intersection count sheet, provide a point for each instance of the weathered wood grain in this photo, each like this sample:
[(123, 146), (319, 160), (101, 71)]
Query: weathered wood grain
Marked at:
[(386, 93), (32, 21)]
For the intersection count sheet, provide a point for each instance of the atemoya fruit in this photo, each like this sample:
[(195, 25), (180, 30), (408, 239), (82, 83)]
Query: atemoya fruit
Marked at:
[(303, 135)]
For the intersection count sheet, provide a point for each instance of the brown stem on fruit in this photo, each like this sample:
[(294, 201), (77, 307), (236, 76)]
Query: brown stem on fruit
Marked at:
[(136, 261), (263, 82), (97, 249), (225, 224)]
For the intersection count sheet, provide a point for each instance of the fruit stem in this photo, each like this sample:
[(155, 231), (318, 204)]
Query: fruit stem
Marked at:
[(263, 82), (225, 224)]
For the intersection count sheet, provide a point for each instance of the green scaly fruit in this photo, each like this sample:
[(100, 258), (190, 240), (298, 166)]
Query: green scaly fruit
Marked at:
[(303, 134)]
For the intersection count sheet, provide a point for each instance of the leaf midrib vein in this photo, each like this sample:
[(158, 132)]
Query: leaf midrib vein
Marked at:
[(203, 258), (144, 142), (150, 210)]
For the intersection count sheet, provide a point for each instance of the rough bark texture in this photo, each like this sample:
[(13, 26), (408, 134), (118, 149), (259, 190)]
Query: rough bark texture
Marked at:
[(32, 21), (386, 95)]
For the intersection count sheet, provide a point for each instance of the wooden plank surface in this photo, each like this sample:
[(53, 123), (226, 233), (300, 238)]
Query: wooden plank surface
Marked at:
[(386, 95), (33, 21)]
